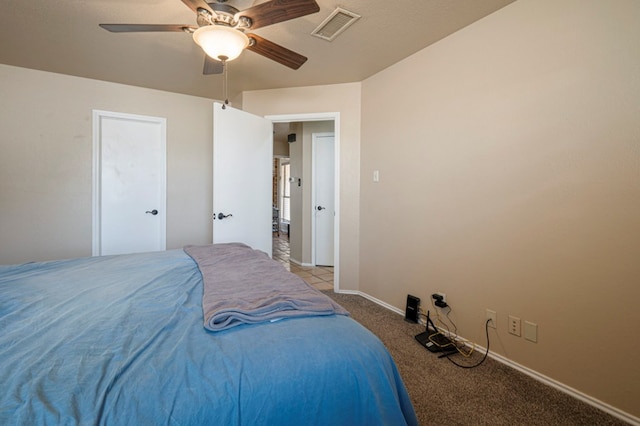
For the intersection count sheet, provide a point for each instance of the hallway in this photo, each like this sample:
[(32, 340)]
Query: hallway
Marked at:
[(319, 277)]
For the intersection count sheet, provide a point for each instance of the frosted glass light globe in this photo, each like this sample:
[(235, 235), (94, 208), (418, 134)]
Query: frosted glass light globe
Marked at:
[(220, 42)]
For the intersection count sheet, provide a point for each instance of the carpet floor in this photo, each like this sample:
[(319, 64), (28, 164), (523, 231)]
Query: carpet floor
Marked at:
[(444, 394)]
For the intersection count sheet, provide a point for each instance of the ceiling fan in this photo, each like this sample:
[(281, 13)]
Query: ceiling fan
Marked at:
[(222, 30)]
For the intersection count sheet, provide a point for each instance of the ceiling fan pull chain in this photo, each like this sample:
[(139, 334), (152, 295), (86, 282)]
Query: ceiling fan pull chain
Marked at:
[(224, 82)]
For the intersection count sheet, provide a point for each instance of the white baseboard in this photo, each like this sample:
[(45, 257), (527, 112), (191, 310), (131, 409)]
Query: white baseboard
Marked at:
[(633, 420), (297, 262), (567, 389), (373, 299)]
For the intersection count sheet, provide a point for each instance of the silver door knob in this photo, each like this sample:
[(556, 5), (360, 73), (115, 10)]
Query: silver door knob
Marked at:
[(153, 212)]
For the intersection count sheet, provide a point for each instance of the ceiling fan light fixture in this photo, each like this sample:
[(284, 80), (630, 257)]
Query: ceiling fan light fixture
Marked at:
[(220, 42)]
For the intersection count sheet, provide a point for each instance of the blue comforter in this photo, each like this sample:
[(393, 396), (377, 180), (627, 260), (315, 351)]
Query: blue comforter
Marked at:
[(119, 340)]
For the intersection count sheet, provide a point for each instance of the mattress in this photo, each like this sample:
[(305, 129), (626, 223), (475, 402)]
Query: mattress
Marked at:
[(120, 340)]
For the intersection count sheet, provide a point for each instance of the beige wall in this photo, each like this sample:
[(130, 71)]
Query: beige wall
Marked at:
[(344, 99), (46, 161), (296, 200), (280, 148), (510, 179)]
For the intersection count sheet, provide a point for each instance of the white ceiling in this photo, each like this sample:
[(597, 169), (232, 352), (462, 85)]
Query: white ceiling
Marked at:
[(63, 36)]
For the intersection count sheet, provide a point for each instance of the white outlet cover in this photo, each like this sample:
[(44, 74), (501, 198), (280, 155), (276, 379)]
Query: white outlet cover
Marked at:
[(493, 317), (531, 331), (514, 325)]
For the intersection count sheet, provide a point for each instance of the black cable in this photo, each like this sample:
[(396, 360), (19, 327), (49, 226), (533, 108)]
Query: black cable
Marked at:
[(455, 327), (486, 327), (439, 320)]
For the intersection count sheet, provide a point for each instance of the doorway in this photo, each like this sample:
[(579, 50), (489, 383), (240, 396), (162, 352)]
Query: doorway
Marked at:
[(333, 117), (282, 195)]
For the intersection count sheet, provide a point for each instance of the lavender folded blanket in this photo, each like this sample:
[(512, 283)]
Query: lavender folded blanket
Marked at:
[(245, 286)]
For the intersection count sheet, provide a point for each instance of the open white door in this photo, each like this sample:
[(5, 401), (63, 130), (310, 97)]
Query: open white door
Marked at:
[(242, 169)]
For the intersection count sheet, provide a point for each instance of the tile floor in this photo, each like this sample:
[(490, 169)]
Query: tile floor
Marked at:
[(320, 277)]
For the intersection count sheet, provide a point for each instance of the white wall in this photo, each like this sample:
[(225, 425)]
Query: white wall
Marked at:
[(509, 168), (46, 161)]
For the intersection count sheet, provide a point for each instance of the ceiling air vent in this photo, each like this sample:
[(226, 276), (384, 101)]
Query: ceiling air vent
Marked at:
[(337, 22)]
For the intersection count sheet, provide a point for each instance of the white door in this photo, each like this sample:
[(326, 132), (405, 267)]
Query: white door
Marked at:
[(129, 183), (323, 196), (242, 178)]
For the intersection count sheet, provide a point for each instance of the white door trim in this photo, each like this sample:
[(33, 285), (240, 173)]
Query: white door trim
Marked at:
[(325, 116), (98, 115)]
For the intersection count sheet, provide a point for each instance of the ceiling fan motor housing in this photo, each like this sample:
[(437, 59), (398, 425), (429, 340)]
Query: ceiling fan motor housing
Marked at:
[(224, 14)]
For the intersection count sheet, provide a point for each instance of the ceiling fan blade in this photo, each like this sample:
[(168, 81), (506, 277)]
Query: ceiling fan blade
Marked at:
[(143, 28), (275, 11), (275, 52), (198, 4), (211, 66)]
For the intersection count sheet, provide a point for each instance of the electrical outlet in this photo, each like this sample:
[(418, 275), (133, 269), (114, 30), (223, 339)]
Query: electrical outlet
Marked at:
[(514, 325), (491, 315), (444, 297)]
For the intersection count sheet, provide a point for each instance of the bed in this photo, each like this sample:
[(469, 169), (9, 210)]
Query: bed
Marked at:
[(126, 339)]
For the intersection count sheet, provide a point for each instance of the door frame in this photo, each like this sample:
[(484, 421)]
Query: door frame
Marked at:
[(314, 137), (96, 218), (335, 117)]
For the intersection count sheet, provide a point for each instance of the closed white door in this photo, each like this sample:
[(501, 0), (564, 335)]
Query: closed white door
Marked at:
[(323, 195), (129, 210), (242, 181)]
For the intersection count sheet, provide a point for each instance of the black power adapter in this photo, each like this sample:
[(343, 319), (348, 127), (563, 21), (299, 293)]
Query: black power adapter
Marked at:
[(439, 300), (412, 313)]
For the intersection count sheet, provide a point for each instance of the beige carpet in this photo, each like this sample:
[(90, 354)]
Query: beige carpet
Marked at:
[(491, 394)]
